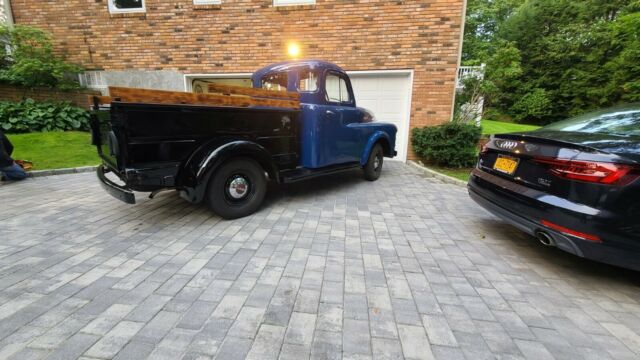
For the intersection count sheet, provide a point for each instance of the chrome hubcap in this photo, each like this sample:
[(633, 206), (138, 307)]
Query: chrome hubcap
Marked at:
[(238, 187), (376, 163)]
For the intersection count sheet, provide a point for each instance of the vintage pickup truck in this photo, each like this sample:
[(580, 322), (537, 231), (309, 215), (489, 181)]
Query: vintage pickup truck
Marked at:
[(300, 120)]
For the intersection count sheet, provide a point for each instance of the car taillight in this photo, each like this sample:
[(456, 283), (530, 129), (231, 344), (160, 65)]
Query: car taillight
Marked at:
[(590, 171)]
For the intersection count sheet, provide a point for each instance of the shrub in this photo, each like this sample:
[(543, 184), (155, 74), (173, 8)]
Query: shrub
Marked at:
[(30, 116), (532, 106), (451, 144), (27, 59)]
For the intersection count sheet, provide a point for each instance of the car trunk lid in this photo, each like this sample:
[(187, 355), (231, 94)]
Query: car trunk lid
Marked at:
[(560, 163)]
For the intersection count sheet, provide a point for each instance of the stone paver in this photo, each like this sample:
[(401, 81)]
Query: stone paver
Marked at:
[(405, 267)]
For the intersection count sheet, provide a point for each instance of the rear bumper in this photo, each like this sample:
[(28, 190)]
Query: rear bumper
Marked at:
[(515, 207), (530, 227), (119, 192)]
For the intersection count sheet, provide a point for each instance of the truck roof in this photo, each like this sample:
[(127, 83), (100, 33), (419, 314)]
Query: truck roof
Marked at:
[(292, 65)]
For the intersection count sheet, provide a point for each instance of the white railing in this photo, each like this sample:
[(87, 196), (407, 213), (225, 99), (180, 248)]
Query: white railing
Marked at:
[(465, 72), (5, 13)]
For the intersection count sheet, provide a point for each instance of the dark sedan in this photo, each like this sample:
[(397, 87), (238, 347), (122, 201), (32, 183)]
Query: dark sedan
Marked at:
[(573, 184)]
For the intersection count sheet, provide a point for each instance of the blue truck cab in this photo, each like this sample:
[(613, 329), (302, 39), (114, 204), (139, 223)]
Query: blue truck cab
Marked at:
[(223, 150), (333, 130)]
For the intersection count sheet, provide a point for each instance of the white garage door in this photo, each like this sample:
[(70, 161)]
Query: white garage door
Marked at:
[(388, 95)]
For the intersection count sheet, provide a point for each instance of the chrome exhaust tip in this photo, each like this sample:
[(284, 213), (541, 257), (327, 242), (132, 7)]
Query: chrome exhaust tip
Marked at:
[(545, 239)]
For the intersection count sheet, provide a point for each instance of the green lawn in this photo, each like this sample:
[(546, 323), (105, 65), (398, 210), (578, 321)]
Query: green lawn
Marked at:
[(55, 150), (497, 127), (460, 174)]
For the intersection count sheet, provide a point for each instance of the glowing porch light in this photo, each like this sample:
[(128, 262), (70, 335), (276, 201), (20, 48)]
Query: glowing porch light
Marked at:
[(293, 49)]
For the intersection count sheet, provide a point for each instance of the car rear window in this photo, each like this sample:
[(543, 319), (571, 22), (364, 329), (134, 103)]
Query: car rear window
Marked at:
[(277, 81), (617, 121)]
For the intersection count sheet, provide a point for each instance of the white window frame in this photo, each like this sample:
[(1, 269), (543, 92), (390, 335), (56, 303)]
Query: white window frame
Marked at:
[(93, 80), (207, 2), (114, 10), (188, 78), (293, 2)]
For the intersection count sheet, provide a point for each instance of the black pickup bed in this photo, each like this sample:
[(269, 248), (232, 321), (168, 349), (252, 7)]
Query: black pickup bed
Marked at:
[(148, 145)]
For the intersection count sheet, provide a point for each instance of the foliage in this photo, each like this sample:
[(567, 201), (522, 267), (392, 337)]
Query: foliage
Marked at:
[(483, 22), (29, 116), (550, 59), (28, 59), (55, 150), (502, 74), (451, 144), (533, 105)]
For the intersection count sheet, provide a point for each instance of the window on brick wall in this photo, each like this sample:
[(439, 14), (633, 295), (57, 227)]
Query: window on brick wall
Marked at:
[(207, 2), (293, 2), (126, 6)]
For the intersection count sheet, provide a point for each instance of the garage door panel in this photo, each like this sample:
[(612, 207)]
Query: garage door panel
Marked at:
[(369, 105), (392, 104), (388, 96)]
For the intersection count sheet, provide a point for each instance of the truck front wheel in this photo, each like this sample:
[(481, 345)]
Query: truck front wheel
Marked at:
[(373, 167), (237, 188)]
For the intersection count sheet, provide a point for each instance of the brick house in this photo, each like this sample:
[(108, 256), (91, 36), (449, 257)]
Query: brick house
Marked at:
[(402, 55)]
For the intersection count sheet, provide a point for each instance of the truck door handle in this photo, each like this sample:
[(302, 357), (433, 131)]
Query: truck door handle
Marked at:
[(329, 112)]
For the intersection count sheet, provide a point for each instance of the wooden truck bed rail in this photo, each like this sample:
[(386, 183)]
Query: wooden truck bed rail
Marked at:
[(234, 96), (260, 93)]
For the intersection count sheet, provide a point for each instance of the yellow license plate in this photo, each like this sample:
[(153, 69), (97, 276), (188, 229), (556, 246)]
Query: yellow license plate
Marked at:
[(506, 164)]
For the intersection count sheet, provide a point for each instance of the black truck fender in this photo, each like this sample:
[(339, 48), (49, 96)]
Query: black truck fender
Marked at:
[(198, 169)]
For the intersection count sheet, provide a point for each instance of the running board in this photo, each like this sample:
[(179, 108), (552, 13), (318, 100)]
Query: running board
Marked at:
[(299, 174)]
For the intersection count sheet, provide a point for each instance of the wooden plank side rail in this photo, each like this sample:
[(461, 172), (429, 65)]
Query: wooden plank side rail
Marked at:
[(261, 93), (135, 95)]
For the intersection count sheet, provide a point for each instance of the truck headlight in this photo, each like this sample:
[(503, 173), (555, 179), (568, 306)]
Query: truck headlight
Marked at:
[(368, 115)]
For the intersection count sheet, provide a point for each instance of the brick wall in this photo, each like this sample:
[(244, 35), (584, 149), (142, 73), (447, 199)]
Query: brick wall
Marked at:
[(243, 35), (76, 97)]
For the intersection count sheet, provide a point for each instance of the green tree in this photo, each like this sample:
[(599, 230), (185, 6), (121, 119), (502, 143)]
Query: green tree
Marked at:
[(625, 66), (549, 59), (483, 22)]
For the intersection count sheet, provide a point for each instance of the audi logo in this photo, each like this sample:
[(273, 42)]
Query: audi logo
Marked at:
[(506, 144)]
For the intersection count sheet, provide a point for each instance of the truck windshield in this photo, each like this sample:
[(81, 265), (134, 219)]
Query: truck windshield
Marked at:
[(277, 81)]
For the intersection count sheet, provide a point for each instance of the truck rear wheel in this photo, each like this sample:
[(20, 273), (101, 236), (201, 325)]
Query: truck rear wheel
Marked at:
[(373, 167), (237, 188)]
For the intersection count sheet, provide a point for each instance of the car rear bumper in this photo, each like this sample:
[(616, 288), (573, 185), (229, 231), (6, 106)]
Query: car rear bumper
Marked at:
[(506, 202), (119, 192)]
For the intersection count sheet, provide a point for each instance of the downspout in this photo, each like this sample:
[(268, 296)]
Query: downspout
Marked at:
[(7, 12), (461, 43)]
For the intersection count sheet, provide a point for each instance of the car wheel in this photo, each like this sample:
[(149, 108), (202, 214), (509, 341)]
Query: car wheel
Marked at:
[(237, 188), (373, 167)]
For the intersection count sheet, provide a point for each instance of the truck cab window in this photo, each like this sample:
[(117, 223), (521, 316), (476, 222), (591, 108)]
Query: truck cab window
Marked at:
[(337, 89), (277, 81), (308, 81)]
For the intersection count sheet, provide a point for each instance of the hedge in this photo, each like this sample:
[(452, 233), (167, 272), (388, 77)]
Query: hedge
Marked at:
[(451, 145)]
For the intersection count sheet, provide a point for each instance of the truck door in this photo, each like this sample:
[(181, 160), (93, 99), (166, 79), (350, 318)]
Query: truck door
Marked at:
[(341, 138)]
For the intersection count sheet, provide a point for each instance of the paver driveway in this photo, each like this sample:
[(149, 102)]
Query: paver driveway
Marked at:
[(402, 267)]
